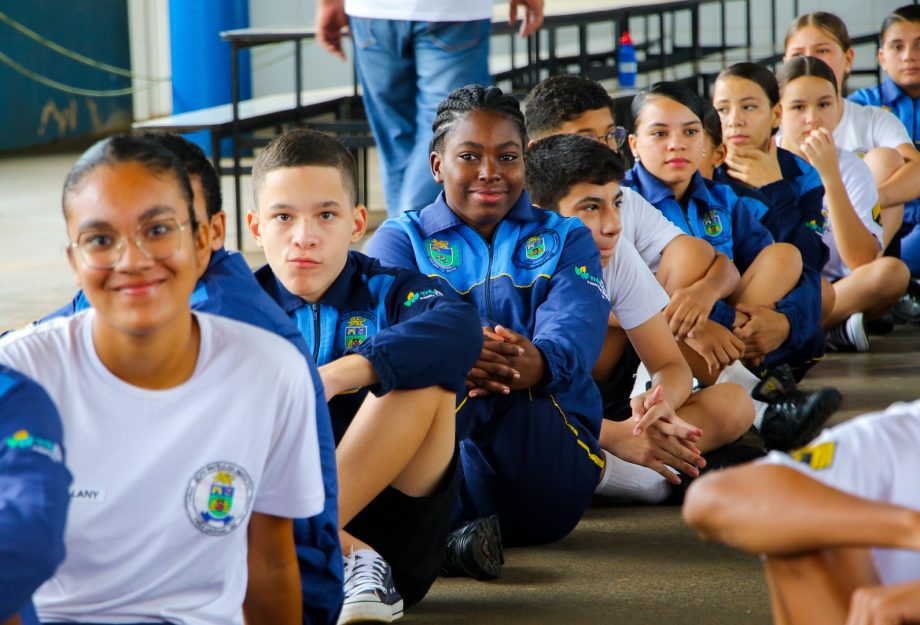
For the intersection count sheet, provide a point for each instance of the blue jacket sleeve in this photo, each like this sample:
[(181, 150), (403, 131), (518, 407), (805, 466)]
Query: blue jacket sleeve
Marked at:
[(802, 307), (392, 247), (432, 340), (749, 236), (78, 303), (798, 220), (571, 342), (33, 491)]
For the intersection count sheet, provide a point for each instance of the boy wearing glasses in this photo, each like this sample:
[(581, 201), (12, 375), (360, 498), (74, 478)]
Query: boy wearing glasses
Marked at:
[(226, 287)]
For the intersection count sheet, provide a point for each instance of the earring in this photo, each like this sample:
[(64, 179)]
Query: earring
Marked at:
[(704, 154)]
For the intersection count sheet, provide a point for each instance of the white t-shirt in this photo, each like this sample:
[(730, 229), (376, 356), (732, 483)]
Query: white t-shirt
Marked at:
[(635, 295), (646, 228), (421, 10), (873, 457), (863, 128), (860, 186), (165, 481)]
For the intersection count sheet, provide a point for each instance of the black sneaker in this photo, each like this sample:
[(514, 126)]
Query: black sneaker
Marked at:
[(475, 550), (907, 310), (370, 594), (849, 336), (881, 326), (793, 417)]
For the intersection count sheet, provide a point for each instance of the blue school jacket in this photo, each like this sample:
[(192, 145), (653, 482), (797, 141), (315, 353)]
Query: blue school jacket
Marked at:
[(34, 494), (715, 213), (792, 209), (228, 289), (889, 96), (540, 276), (399, 320)]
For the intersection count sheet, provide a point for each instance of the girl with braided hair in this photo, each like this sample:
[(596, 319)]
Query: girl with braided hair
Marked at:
[(530, 419)]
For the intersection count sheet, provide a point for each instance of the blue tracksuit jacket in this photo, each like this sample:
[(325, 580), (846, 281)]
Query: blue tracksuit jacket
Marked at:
[(540, 276), (228, 289), (399, 320), (34, 495), (715, 214)]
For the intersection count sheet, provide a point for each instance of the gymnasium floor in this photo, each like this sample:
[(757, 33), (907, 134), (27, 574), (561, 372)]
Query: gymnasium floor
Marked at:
[(623, 564)]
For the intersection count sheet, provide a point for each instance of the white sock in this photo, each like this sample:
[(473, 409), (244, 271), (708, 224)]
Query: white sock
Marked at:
[(630, 482), (742, 376)]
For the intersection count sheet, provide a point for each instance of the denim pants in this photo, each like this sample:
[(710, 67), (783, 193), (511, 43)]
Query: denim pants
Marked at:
[(406, 69)]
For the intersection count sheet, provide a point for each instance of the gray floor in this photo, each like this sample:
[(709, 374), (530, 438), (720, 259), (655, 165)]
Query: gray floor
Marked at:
[(623, 564)]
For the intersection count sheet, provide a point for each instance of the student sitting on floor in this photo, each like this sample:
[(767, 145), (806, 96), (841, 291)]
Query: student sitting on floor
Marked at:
[(33, 494), (695, 277), (840, 534), (227, 288), (393, 353), (875, 135), (865, 285), (530, 424), (579, 177), (669, 145), (157, 409), (899, 93)]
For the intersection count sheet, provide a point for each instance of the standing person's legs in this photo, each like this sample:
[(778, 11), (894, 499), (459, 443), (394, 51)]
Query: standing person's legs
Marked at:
[(385, 65), (448, 55)]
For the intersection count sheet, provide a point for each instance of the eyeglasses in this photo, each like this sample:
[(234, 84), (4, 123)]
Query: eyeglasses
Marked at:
[(613, 139), (157, 240)]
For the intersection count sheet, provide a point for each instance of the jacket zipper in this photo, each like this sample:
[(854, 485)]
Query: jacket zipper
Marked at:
[(316, 333)]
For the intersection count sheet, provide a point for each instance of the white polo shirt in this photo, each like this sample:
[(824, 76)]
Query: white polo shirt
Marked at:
[(635, 295), (421, 10), (863, 128), (646, 228)]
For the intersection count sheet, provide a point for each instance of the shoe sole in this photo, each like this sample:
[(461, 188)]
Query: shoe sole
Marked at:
[(370, 612), (488, 556)]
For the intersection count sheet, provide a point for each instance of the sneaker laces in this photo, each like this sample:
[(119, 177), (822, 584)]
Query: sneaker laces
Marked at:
[(365, 574)]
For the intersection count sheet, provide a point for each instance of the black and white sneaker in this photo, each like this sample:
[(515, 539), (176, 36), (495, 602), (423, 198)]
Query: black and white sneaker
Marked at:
[(848, 336), (908, 309), (475, 550), (370, 594), (793, 417)]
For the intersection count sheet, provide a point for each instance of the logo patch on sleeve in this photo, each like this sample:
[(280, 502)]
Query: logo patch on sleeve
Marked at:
[(818, 457), (420, 296), (443, 255), (582, 272), (535, 249), (24, 440)]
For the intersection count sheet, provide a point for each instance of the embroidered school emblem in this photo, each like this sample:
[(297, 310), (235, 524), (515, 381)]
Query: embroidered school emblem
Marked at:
[(818, 457), (23, 439), (877, 213), (535, 249), (712, 223), (218, 498), (357, 328), (443, 255)]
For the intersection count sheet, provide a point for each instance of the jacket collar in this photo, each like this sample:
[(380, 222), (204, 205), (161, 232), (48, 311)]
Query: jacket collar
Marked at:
[(338, 295), (438, 216), (890, 91), (655, 191)]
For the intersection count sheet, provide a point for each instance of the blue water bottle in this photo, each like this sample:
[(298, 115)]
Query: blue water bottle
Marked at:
[(626, 62)]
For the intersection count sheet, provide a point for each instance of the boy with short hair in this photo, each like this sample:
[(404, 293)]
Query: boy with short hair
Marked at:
[(577, 105), (226, 287), (393, 352), (578, 177)]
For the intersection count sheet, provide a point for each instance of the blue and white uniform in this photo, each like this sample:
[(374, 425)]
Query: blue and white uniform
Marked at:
[(33, 492), (716, 214), (890, 97), (532, 457), (228, 289)]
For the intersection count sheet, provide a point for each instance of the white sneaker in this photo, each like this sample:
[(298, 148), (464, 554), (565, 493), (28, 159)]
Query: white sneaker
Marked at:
[(370, 595)]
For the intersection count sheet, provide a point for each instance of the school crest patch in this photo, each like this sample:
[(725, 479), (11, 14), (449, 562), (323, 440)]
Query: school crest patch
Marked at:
[(218, 498), (817, 457), (443, 255), (536, 249), (712, 223), (357, 327)]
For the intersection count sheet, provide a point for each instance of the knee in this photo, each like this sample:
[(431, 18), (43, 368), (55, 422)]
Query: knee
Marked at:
[(883, 162), (890, 275), (784, 259), (685, 260)]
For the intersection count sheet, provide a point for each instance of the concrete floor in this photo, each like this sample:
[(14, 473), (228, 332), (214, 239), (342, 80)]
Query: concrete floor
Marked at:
[(623, 564)]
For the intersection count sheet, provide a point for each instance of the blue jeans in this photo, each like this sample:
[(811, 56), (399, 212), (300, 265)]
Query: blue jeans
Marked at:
[(406, 69)]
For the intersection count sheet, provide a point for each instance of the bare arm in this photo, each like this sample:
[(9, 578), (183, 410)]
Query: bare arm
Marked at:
[(778, 511), (273, 595), (348, 372), (902, 186), (533, 15), (659, 353), (330, 21)]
